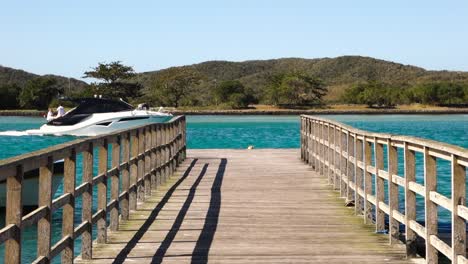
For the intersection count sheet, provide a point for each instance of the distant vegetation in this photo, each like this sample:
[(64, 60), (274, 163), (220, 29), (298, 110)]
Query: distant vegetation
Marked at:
[(287, 83), (378, 94)]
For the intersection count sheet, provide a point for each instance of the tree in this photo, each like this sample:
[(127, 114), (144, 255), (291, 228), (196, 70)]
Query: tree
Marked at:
[(446, 93), (296, 89), (232, 93), (373, 94), (9, 96), (115, 81), (39, 92), (175, 86)]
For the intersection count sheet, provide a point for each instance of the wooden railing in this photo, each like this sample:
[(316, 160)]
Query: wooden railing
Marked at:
[(141, 159), (353, 160)]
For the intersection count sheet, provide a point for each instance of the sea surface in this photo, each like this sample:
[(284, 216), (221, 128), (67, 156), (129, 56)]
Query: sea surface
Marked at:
[(239, 132)]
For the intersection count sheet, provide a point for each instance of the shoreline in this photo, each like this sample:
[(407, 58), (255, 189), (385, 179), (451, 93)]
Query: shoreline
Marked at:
[(37, 113), (324, 112)]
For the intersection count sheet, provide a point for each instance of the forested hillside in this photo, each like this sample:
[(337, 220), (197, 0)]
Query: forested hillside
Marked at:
[(285, 82), (10, 76), (338, 74)]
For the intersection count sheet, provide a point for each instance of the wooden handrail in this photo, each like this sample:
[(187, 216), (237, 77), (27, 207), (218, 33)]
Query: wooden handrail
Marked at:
[(141, 159), (344, 155)]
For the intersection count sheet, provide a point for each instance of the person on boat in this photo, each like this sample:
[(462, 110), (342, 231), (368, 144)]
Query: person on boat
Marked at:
[(50, 115), (60, 111)]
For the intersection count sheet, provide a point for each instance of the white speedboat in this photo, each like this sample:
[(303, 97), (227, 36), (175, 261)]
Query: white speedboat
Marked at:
[(95, 116)]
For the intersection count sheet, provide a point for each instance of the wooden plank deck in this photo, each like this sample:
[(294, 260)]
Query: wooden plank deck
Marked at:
[(241, 206)]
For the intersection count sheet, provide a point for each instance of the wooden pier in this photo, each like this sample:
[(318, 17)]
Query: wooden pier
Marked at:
[(245, 206), (166, 204)]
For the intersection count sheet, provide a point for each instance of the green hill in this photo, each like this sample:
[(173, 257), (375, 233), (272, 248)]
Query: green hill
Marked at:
[(337, 73), (20, 78)]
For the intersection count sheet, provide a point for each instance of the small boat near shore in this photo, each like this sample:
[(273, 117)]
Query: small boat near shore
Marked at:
[(96, 116), (30, 195)]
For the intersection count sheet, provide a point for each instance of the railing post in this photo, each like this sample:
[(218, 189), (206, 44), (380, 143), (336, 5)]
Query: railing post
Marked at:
[(166, 152), (310, 147), (322, 149), (367, 181), (114, 213), (13, 215), (410, 201), (326, 152), (102, 192), (45, 199), (379, 186), (133, 171), (171, 148), (179, 142), (458, 198), (350, 168), (359, 201), (68, 213), (329, 157), (124, 205), (184, 138), (305, 137), (316, 146), (87, 203), (337, 157), (394, 225), (302, 138), (430, 184), (141, 165), (176, 145), (343, 162), (158, 155), (147, 168), (153, 165)]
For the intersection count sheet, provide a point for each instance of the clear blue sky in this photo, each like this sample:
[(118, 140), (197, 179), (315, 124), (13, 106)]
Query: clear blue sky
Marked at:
[(69, 37)]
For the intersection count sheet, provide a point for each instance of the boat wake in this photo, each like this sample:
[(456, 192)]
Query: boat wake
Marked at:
[(14, 133)]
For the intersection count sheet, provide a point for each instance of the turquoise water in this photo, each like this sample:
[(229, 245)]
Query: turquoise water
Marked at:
[(242, 131)]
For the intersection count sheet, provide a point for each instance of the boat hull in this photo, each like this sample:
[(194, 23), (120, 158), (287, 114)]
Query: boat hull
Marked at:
[(99, 124)]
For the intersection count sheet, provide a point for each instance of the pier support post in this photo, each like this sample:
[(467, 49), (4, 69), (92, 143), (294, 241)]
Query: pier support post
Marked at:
[(87, 203), (410, 201), (114, 213), (14, 187), (368, 219), (45, 199), (132, 199), (430, 184), (359, 201), (68, 213), (124, 204), (394, 225), (379, 186), (458, 198), (102, 193)]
